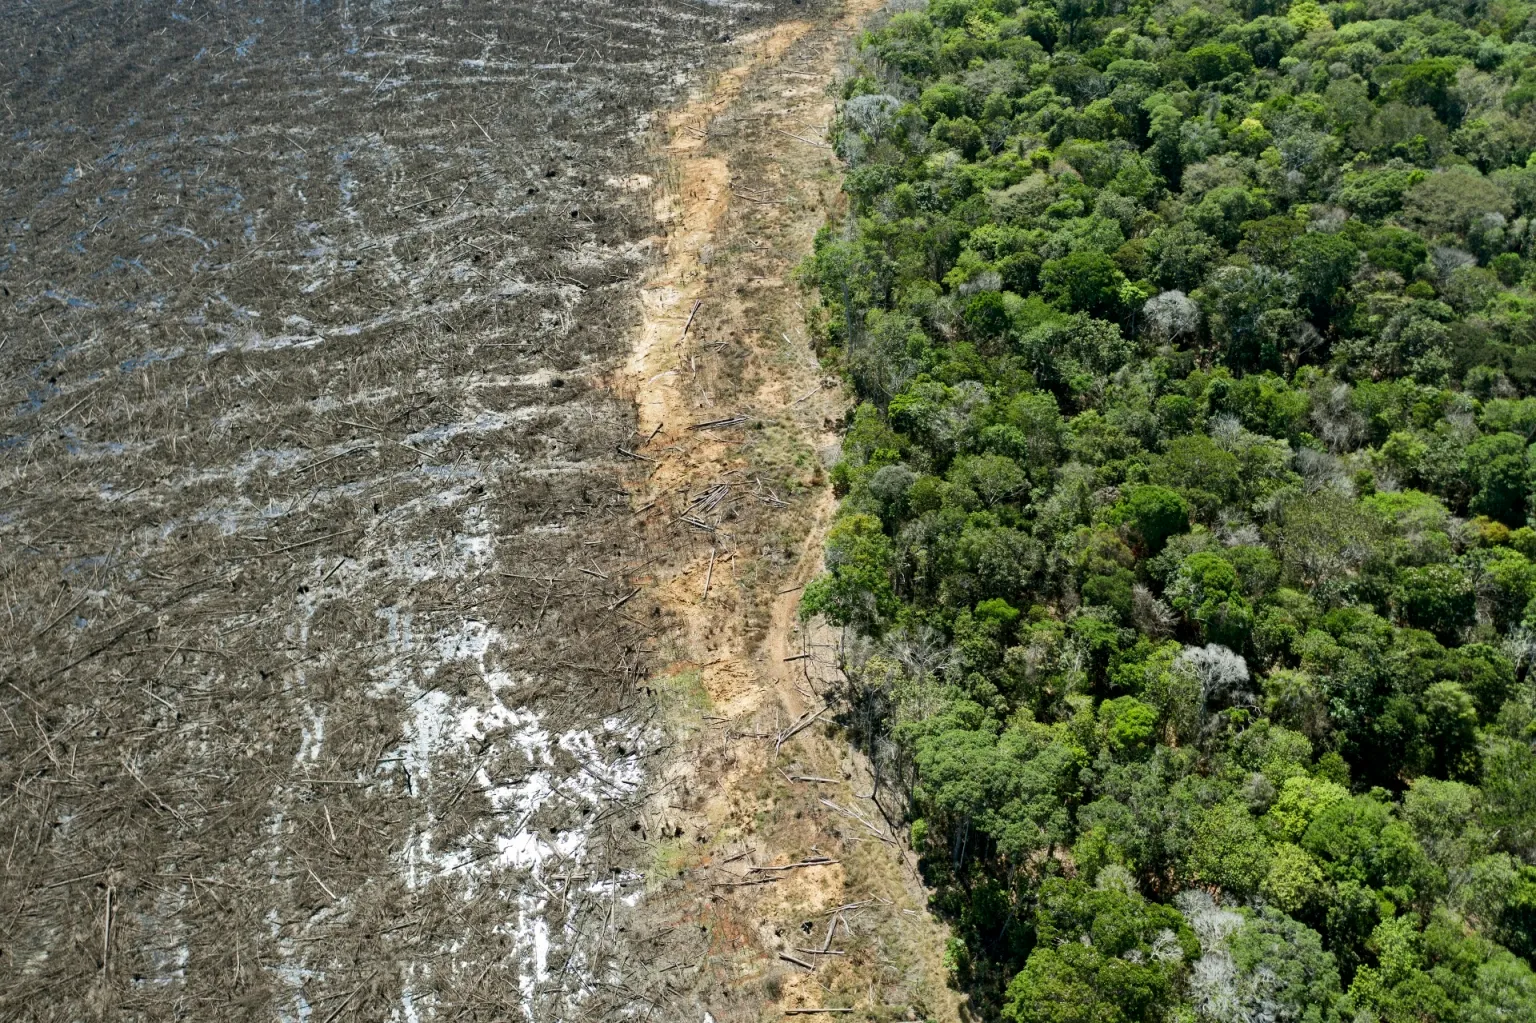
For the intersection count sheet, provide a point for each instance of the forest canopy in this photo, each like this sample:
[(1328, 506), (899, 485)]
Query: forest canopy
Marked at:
[(1185, 549)]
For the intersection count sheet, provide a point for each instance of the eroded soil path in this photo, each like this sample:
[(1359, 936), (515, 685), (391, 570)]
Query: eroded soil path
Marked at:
[(775, 883)]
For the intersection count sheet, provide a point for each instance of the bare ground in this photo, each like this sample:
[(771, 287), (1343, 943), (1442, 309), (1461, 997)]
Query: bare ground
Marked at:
[(338, 673), (776, 883), (318, 649)]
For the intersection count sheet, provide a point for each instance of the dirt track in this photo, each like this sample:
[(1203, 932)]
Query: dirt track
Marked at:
[(741, 424)]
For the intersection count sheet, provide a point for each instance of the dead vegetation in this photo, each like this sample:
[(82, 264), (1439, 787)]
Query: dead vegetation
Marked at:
[(322, 630), (365, 656)]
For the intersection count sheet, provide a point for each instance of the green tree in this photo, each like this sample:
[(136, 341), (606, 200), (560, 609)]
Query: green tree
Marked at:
[(856, 589), (1301, 799), (1509, 764), (1221, 212), (1503, 989), (1511, 583), (986, 315), (993, 478), (1358, 841), (1447, 202), (944, 99), (1295, 883), (1215, 61), (1252, 315), (1284, 973), (1439, 598), (1129, 725), (1446, 819), (1207, 591), (1397, 250), (1376, 193), (1429, 83), (1322, 265), (1448, 734), (1399, 989), (1204, 473), (1102, 956), (1155, 513), (1496, 470), (1229, 851), (1184, 255), (1085, 282)]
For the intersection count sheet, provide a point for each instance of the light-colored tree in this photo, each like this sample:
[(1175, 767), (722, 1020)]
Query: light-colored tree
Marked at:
[(1170, 317)]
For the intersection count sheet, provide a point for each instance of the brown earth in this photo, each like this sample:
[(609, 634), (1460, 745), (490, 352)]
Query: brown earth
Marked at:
[(729, 393)]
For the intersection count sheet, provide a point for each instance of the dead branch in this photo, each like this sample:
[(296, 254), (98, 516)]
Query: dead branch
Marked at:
[(802, 1012), (797, 138), (796, 728), (624, 599), (819, 861), (691, 315), (855, 815)]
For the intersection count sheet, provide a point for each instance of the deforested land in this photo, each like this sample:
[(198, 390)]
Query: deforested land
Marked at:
[(322, 657)]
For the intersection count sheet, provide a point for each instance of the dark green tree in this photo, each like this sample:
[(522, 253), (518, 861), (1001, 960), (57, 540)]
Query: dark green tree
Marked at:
[(1102, 956)]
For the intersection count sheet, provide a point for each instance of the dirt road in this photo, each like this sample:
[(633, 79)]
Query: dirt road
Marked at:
[(774, 884)]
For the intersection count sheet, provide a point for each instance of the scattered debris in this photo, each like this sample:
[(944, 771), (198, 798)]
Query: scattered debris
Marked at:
[(800, 1012), (801, 724)]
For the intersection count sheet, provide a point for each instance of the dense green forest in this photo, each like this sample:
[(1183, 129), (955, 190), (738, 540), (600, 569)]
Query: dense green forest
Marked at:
[(1184, 554)]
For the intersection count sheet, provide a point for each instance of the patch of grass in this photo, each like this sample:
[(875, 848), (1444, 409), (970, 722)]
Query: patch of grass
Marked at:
[(671, 857), (785, 455), (684, 691)]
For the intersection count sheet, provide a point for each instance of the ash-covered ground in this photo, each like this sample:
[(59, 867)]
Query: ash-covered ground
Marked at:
[(317, 672)]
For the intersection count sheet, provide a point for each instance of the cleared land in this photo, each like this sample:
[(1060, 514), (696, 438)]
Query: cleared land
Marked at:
[(775, 884), (319, 656)]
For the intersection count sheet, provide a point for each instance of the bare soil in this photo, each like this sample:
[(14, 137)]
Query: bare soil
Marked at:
[(776, 883)]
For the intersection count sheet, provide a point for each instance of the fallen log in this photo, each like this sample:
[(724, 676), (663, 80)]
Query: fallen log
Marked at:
[(820, 861)]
